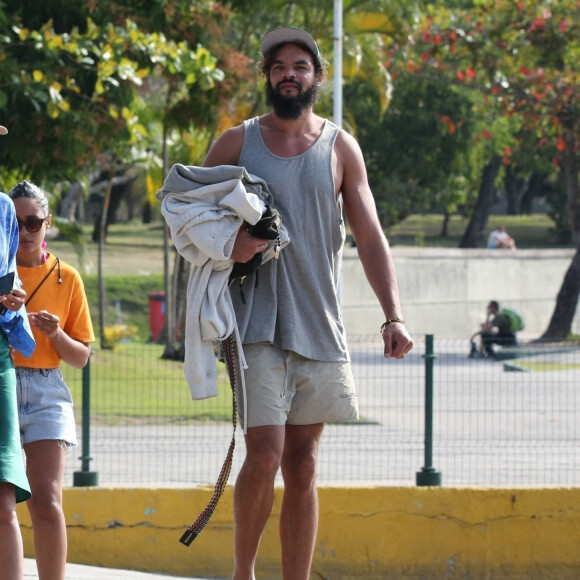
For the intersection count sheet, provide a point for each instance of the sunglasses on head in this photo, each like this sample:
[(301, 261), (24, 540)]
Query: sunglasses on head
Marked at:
[(31, 223)]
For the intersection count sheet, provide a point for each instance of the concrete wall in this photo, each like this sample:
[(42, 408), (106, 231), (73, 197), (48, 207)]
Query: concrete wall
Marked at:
[(365, 533), (445, 291)]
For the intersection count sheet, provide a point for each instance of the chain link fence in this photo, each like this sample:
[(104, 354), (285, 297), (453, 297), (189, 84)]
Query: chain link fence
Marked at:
[(499, 423)]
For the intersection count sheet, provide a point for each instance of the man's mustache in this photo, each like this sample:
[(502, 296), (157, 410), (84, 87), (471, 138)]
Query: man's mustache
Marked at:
[(289, 81)]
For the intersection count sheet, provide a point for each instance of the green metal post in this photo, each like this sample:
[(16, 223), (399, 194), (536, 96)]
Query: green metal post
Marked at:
[(85, 477), (428, 474)]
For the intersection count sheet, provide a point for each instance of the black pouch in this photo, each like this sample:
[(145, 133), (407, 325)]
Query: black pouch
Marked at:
[(268, 228)]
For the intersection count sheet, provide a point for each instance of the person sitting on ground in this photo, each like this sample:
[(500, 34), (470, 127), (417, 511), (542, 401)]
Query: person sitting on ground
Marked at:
[(503, 335), (499, 239)]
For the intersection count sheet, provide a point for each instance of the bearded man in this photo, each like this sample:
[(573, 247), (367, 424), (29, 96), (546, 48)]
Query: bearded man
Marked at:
[(299, 375)]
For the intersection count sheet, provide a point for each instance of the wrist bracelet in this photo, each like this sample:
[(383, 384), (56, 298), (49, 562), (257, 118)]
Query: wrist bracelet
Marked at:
[(390, 321)]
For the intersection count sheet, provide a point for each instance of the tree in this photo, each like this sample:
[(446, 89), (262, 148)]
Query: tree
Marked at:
[(521, 59), (415, 154), (73, 93), (75, 85)]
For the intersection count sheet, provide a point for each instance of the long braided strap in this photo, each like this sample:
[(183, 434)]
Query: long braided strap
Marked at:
[(196, 528)]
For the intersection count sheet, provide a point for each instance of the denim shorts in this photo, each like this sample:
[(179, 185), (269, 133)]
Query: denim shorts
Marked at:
[(45, 406), (286, 388)]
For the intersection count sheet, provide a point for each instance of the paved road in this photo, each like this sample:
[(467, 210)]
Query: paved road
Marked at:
[(81, 572), (491, 428)]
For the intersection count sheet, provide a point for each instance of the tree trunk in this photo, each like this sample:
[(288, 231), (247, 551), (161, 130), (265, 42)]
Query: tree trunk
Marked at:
[(72, 205), (535, 188), (121, 183), (175, 345), (168, 332), (445, 224), (514, 187), (476, 228), (100, 276), (570, 167), (565, 310)]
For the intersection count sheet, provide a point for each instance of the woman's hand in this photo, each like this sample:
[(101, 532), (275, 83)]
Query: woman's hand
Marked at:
[(46, 322), (14, 300)]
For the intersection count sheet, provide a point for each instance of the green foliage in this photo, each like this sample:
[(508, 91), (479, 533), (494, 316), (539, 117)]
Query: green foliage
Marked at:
[(415, 154), (117, 333), (71, 85), (559, 211), (520, 58), (516, 62)]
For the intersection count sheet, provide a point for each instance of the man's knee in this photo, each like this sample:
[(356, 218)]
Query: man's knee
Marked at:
[(263, 462), (300, 469)]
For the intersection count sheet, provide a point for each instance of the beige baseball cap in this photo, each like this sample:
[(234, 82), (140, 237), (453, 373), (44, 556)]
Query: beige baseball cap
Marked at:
[(3, 130), (286, 34)]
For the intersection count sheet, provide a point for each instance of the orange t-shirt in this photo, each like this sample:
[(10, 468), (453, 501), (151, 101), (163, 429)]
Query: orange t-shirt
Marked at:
[(66, 299)]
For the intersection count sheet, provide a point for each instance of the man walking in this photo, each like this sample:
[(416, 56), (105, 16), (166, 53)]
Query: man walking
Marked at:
[(299, 376)]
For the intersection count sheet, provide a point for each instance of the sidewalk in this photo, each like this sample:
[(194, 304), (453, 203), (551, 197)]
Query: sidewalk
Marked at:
[(81, 572)]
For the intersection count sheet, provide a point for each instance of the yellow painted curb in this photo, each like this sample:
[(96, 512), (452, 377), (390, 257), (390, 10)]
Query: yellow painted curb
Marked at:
[(382, 533)]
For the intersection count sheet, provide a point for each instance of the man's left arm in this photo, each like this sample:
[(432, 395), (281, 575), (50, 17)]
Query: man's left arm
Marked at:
[(371, 243)]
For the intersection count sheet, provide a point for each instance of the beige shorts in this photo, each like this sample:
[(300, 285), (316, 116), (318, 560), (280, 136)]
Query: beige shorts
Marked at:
[(283, 387)]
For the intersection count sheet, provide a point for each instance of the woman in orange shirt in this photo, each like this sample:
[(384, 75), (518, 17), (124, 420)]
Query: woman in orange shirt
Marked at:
[(59, 316)]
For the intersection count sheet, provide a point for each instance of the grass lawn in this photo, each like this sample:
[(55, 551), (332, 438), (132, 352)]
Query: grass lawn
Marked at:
[(529, 231), (134, 382), (546, 367), (131, 248)]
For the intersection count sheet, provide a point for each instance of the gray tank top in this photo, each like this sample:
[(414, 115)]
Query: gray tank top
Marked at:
[(293, 302)]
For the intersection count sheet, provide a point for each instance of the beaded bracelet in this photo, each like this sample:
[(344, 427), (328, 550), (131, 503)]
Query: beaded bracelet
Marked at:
[(390, 321)]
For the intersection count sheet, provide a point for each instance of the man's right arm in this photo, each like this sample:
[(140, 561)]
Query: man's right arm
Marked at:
[(226, 150)]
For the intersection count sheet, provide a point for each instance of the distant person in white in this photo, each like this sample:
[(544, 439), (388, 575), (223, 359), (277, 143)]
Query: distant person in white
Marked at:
[(499, 239)]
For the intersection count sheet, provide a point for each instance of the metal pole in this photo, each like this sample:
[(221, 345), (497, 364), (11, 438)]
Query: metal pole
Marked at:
[(428, 474), (337, 101), (85, 477)]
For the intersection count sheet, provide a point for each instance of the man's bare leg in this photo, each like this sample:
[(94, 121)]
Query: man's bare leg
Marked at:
[(299, 516), (254, 495)]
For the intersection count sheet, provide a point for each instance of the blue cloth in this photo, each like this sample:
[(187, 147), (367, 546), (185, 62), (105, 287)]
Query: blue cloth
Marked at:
[(14, 324)]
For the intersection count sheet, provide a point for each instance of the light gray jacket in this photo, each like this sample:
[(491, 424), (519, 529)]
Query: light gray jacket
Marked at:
[(204, 208)]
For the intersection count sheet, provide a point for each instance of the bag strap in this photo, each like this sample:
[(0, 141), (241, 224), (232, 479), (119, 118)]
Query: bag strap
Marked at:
[(196, 528), (56, 263)]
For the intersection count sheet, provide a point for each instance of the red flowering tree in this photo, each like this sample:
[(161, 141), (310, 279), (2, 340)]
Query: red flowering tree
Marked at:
[(519, 62)]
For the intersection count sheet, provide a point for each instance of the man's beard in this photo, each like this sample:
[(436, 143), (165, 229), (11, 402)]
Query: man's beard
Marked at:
[(291, 107)]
